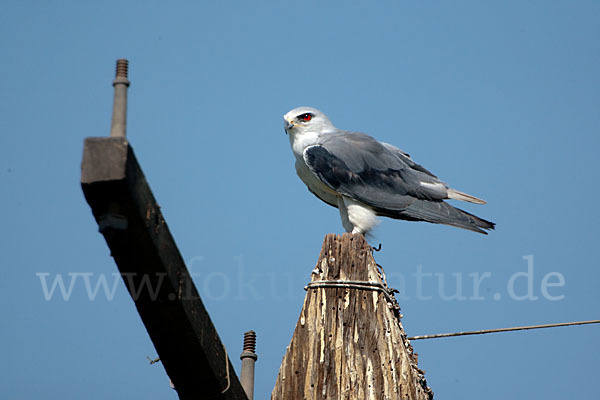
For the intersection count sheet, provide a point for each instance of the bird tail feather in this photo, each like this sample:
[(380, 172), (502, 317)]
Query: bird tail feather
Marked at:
[(458, 195), (443, 213)]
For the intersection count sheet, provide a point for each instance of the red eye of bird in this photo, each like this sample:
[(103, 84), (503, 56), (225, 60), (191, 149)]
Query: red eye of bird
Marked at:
[(306, 117)]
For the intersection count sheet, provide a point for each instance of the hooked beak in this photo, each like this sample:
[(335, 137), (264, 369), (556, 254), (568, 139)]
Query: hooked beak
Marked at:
[(288, 125)]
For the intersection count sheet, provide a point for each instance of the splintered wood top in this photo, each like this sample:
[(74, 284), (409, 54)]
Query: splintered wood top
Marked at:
[(348, 343)]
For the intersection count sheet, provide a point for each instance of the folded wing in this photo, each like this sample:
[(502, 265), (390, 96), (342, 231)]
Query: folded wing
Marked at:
[(386, 179)]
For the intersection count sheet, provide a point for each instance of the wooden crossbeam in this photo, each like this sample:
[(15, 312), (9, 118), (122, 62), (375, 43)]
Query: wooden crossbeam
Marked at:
[(154, 272)]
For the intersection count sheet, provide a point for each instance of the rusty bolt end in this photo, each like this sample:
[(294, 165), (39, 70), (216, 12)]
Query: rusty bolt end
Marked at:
[(250, 342), (122, 68), (122, 72)]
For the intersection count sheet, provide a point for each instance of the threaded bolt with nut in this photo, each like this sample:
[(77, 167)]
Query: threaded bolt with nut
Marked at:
[(122, 68), (248, 358), (250, 342)]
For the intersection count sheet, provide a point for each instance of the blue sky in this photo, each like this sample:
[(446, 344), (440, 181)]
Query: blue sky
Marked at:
[(500, 99)]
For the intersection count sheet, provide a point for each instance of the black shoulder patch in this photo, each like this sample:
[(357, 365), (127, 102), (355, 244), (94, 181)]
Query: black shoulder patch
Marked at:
[(330, 169)]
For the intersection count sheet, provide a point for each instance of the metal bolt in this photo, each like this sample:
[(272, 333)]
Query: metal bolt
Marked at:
[(121, 83), (250, 342), (122, 68), (248, 358)]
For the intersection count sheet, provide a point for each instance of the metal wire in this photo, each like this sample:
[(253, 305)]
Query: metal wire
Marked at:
[(387, 292), (517, 328)]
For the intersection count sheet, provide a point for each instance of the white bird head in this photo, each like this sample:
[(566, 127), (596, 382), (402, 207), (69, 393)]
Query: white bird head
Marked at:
[(306, 119)]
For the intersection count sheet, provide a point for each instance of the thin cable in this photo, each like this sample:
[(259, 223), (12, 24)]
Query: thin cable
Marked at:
[(517, 328)]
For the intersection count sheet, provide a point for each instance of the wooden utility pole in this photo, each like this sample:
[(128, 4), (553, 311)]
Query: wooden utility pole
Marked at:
[(349, 342)]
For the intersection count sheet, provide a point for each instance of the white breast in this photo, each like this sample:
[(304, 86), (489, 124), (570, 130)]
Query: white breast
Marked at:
[(299, 142), (314, 184)]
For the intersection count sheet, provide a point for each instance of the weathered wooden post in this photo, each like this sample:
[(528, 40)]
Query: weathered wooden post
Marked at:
[(349, 342)]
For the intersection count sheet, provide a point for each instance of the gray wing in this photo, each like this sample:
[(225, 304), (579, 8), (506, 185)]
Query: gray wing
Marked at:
[(362, 168), (404, 156), (386, 179)]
